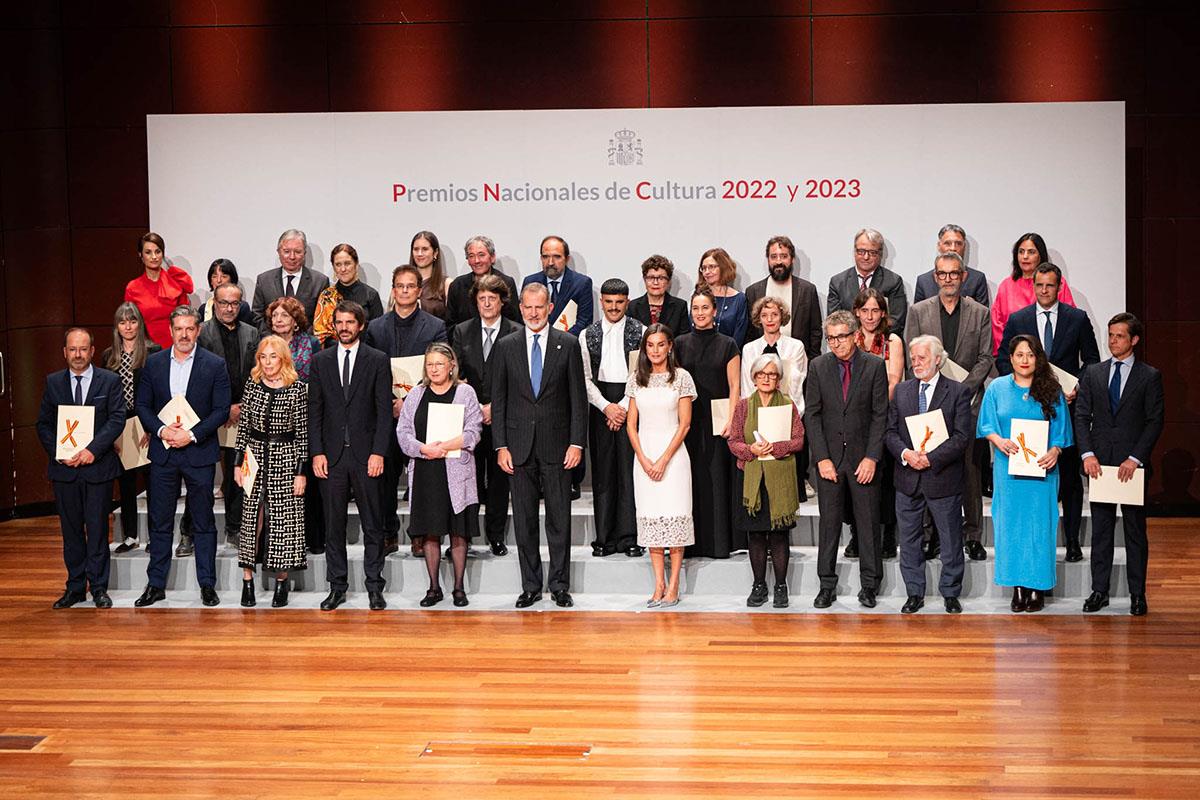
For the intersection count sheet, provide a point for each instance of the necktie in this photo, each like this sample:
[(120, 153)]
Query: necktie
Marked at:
[(845, 379), (78, 390), (862, 282), (487, 345), (1048, 334), (1114, 387), (290, 291), (922, 401), (346, 376), (553, 297), (535, 365)]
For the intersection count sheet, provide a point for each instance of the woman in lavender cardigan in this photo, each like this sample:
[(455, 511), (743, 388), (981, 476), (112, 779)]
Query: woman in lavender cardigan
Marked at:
[(441, 487)]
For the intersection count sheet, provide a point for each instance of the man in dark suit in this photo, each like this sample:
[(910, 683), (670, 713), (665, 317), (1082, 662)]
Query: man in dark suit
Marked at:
[(932, 480), (1070, 344), (474, 342), (1118, 418), (867, 273), (657, 304), (799, 295), (178, 454), (539, 426), (565, 284), (406, 330), (350, 424), (83, 483), (846, 403), (292, 279), (953, 239), (481, 258), (235, 343)]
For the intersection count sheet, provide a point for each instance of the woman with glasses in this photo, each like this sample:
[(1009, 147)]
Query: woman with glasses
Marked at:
[(1016, 291), (717, 273), (220, 272)]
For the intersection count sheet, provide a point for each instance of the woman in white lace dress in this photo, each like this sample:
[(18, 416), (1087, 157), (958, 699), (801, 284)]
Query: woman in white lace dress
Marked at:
[(660, 412)]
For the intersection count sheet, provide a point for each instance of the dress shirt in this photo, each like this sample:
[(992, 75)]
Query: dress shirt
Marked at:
[(180, 376), (795, 359), (529, 332), (931, 387), (85, 384), (1041, 324), (295, 281), (864, 280), (1126, 367), (779, 291), (342, 359), (614, 366), (483, 333)]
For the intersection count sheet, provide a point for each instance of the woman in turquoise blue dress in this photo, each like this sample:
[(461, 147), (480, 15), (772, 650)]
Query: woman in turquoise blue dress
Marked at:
[(1025, 509)]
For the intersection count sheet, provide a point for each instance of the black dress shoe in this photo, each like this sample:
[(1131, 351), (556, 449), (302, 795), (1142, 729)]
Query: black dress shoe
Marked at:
[(1020, 598), (280, 598), (101, 599), (526, 599), (1137, 605), (780, 600), (376, 602), (209, 597), (460, 598), (932, 549), (975, 551), (599, 552), (70, 598), (866, 598), (851, 550), (913, 604), (888, 547), (635, 551), (391, 544), (562, 598), (575, 491), (334, 599), (1074, 552), (1037, 600), (824, 598), (125, 547), (248, 598), (499, 548), (758, 595), (186, 547), (953, 606), (432, 598), (316, 551), (1095, 602), (149, 597)]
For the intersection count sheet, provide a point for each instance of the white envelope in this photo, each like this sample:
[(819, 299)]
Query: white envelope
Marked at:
[(952, 370), (132, 454), (1033, 436), (75, 431), (774, 425), (227, 437), (720, 414), (1107, 489), (249, 470), (406, 373), (633, 359), (178, 409), (563, 321), (927, 431), (444, 423), (1065, 379)]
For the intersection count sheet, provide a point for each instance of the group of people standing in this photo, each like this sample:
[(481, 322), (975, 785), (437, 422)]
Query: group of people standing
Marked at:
[(668, 397)]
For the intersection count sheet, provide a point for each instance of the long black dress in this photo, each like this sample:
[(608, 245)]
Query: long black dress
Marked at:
[(706, 355), (431, 510)]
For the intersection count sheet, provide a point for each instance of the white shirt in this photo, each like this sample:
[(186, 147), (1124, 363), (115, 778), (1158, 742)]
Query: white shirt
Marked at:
[(85, 384), (542, 335), (864, 279), (781, 292), (932, 386), (612, 350), (1126, 368), (181, 371), (341, 359), (795, 367), (295, 278), (1041, 324), (494, 328)]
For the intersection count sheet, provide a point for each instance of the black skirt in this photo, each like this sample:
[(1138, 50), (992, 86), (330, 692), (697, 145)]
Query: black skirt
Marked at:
[(430, 511)]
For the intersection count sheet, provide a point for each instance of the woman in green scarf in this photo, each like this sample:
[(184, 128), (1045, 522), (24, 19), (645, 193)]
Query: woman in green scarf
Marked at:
[(767, 465)]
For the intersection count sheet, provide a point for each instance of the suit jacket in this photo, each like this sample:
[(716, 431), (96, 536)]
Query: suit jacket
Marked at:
[(467, 340), (975, 286), (247, 337), (674, 313), (269, 288), (151, 349), (972, 350), (547, 425), (366, 415), (843, 288), (572, 286), (805, 310), (1133, 427), (207, 394), (106, 396), (460, 308), (945, 475), (381, 335), (1074, 340), (846, 431)]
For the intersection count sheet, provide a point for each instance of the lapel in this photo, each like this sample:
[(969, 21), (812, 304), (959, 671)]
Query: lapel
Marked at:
[(857, 365), (1136, 376), (358, 374), (939, 393), (1061, 332), (279, 279), (551, 353), (90, 400), (67, 387), (523, 363), (192, 381)]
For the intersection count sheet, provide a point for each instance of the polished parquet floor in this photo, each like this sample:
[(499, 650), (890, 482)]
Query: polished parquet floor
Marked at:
[(187, 703)]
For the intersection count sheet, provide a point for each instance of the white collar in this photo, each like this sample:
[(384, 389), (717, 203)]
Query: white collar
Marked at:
[(607, 326)]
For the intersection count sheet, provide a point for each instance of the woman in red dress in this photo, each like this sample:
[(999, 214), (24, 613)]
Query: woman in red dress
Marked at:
[(158, 290)]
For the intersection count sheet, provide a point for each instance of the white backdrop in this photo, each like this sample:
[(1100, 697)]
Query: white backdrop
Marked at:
[(228, 185)]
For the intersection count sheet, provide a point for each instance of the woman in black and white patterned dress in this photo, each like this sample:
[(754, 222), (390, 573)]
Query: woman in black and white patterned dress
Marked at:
[(274, 429)]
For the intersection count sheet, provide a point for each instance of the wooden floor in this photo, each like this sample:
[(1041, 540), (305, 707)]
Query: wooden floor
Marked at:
[(179, 704)]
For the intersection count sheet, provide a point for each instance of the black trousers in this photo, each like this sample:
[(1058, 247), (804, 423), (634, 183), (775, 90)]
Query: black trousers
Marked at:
[(314, 511), (394, 465), (492, 484), (864, 500), (83, 515), (233, 494), (1137, 548), (127, 493), (550, 480), (344, 476), (1070, 492), (612, 477)]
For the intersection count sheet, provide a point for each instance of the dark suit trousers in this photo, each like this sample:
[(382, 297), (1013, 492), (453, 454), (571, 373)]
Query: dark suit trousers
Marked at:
[(314, 511), (1070, 492), (83, 515), (910, 513), (1137, 549), (232, 493), (554, 483), (343, 476), (164, 494), (394, 465), (127, 489), (865, 502), (975, 463), (612, 477), (491, 483)]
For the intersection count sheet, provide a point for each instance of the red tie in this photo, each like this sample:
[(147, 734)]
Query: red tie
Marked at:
[(845, 379)]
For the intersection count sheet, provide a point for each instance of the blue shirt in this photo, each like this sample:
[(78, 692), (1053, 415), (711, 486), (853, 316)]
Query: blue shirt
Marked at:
[(181, 372)]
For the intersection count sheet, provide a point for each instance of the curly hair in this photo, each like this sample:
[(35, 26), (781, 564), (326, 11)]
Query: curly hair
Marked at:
[(1045, 388)]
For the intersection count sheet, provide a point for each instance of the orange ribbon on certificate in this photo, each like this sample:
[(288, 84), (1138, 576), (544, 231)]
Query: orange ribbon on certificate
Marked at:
[(246, 465), (1025, 451), (72, 424), (405, 386), (928, 436)]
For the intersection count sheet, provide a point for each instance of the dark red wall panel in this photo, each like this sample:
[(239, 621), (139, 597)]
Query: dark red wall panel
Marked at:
[(118, 77), (31, 83), (35, 178), (422, 11), (248, 12), (108, 177), (39, 278), (107, 257)]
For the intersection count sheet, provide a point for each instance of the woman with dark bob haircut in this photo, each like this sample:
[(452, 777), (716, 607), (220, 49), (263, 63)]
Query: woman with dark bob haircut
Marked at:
[(1016, 291)]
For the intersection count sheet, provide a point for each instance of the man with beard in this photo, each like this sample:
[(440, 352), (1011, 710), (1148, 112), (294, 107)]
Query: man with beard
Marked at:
[(953, 239), (797, 295)]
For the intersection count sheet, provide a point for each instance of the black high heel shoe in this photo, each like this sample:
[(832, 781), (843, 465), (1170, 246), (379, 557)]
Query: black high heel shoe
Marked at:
[(248, 600), (281, 593)]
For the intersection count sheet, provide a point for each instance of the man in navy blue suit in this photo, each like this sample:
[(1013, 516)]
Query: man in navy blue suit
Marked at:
[(1070, 343), (83, 483), (931, 480), (178, 454)]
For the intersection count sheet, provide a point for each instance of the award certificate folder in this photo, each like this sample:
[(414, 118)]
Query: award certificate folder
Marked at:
[(76, 427), (774, 425), (720, 415), (227, 436), (952, 370), (445, 422), (1032, 437), (133, 455), (927, 430), (178, 409), (406, 373), (567, 318), (1065, 379), (249, 470), (1107, 489)]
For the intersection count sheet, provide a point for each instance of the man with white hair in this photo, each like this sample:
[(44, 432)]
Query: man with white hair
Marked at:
[(929, 478), (291, 279), (868, 273)]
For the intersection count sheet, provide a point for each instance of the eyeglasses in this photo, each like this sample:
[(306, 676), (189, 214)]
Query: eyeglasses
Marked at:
[(228, 303), (862, 252), (404, 286), (947, 276), (767, 376), (837, 338), (656, 278)]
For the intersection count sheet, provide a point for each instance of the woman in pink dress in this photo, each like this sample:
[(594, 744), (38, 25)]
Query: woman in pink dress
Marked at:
[(1016, 291)]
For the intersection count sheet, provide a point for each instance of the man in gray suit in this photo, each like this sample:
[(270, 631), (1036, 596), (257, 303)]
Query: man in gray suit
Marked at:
[(953, 239), (846, 403), (867, 272), (799, 295), (964, 328), (292, 279)]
